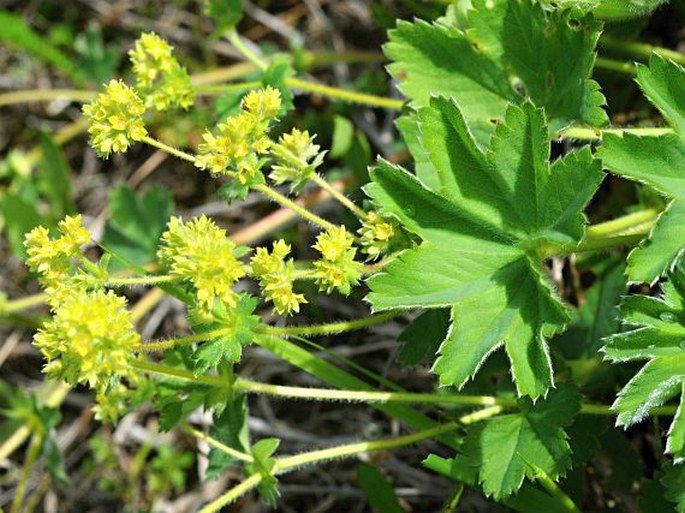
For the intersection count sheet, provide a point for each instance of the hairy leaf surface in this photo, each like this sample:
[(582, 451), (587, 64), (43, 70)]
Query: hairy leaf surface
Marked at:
[(508, 448), (512, 50), (658, 162), (657, 334), (483, 237)]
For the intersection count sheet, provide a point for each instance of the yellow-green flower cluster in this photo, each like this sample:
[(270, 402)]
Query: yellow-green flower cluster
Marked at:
[(275, 276), (376, 233), (200, 252), (242, 139), (53, 259), (296, 158), (160, 79), (115, 119), (337, 268), (89, 339)]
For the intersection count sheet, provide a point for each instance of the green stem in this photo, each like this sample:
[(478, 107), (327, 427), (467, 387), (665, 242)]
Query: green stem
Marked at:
[(31, 457), (17, 305), (218, 445), (590, 244), (640, 49), (37, 95), (172, 372), (620, 225), (169, 149), (553, 489), (233, 494), (332, 394), (289, 462), (182, 341), (344, 200), (612, 65), (325, 329), (229, 88), (593, 134), (344, 95), (141, 280), (288, 203), (234, 38)]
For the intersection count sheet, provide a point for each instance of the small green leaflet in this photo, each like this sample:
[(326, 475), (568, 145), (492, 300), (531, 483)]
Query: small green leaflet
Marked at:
[(508, 448), (511, 50), (484, 238), (237, 329), (674, 482), (657, 334), (658, 162)]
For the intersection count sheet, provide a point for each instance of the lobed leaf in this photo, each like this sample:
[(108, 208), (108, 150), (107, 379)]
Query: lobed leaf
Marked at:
[(657, 162), (483, 233), (656, 333), (510, 51)]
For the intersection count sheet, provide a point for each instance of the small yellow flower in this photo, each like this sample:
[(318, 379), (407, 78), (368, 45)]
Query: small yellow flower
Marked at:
[(275, 276), (115, 119), (376, 234), (160, 79), (200, 252), (337, 268), (296, 158), (333, 243), (342, 273), (263, 103)]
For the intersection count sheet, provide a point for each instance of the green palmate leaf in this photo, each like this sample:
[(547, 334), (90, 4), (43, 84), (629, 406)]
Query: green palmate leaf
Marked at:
[(508, 448), (522, 444), (136, 223), (484, 238), (657, 334), (378, 491), (511, 50), (237, 325), (658, 162)]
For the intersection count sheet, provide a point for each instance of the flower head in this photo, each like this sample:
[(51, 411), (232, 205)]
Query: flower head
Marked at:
[(235, 151), (275, 276), (160, 79), (115, 119), (296, 157), (53, 258), (200, 252), (337, 268), (89, 339)]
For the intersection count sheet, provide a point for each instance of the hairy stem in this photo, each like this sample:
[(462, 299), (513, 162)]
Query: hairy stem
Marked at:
[(181, 341), (169, 149), (288, 203), (17, 305), (39, 95), (217, 444), (141, 280), (32, 454), (286, 463), (628, 223), (234, 38), (340, 197), (612, 65), (640, 49), (325, 329)]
